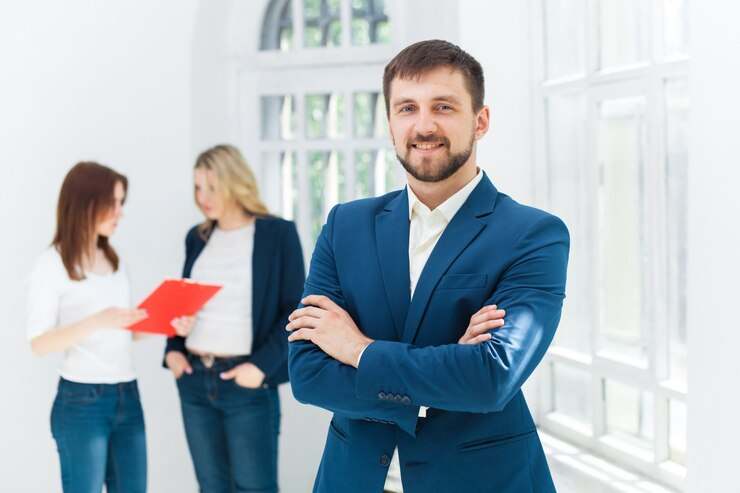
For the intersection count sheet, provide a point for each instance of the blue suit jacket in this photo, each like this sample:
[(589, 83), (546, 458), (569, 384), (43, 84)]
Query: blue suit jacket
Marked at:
[(478, 435), (277, 281)]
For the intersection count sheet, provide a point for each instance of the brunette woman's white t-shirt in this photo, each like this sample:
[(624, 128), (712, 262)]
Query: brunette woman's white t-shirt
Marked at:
[(55, 300)]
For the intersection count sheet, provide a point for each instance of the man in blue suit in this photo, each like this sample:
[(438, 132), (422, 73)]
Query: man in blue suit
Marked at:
[(385, 339)]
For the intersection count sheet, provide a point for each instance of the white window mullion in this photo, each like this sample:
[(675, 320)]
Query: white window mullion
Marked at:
[(298, 24), (346, 16)]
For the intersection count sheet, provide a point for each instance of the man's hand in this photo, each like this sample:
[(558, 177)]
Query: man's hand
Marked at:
[(177, 363), (246, 375), (485, 319), (328, 326)]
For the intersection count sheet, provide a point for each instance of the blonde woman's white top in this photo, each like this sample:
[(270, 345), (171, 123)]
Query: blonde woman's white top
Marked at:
[(55, 300), (224, 325)]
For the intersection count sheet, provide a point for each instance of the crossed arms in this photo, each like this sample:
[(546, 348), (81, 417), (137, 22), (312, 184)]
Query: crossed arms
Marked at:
[(481, 376)]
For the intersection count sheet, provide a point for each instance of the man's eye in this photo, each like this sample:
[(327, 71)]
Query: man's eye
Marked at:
[(406, 109), (445, 107)]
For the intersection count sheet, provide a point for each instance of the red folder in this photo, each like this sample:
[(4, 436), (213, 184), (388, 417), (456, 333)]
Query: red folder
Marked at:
[(173, 298)]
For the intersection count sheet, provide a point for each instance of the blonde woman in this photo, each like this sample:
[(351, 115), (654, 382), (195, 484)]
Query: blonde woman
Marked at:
[(228, 368)]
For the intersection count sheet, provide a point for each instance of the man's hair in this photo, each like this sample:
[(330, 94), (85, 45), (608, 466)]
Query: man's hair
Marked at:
[(421, 57)]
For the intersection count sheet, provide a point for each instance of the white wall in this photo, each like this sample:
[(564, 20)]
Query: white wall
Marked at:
[(714, 243), (107, 81)]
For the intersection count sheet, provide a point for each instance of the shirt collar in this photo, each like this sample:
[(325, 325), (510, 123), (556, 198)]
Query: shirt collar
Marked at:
[(449, 207)]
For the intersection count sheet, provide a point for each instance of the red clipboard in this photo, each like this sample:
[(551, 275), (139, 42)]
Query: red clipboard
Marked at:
[(173, 298)]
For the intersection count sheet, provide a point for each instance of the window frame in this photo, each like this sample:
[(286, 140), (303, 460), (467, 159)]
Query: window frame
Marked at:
[(346, 68), (644, 78)]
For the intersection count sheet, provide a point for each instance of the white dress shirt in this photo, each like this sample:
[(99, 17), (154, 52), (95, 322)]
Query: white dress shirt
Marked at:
[(425, 228)]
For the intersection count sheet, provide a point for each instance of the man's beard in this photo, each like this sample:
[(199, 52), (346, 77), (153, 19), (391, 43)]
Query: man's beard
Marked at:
[(429, 174)]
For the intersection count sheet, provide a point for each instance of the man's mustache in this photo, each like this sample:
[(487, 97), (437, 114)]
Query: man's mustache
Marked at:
[(428, 139)]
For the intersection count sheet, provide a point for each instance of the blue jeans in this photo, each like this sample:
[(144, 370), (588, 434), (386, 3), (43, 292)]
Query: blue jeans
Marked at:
[(232, 431), (99, 430)]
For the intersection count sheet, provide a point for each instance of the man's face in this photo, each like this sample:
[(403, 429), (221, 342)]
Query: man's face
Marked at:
[(433, 125)]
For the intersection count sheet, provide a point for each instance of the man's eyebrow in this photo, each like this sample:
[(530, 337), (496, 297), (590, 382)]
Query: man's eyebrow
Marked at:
[(449, 97), (444, 97)]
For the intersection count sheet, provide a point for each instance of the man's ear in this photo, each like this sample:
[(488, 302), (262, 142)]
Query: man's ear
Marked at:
[(482, 122)]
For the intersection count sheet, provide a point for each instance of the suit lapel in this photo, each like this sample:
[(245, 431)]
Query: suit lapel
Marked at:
[(465, 226), (392, 240), (264, 245)]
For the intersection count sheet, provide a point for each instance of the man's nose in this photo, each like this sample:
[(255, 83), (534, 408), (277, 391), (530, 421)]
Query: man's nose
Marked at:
[(426, 124)]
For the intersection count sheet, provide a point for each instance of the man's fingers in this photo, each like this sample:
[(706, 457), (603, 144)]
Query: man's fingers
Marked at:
[(479, 339), (321, 301), (302, 323), (486, 326), (308, 311), (228, 375), (491, 314), (301, 335)]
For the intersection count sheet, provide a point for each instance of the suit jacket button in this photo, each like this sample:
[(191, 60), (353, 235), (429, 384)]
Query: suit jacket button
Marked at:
[(406, 400), (385, 460), (397, 398), (382, 395)]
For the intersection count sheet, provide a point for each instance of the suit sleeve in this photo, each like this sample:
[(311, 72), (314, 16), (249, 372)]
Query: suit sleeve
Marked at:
[(484, 377), (322, 381), (273, 354)]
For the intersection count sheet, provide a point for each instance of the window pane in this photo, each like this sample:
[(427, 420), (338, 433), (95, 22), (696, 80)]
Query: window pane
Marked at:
[(325, 116), (370, 119), (311, 9), (622, 37), (570, 393), (286, 39), (629, 414), (621, 147), (677, 160), (289, 183), (360, 32), (285, 42), (677, 431), (326, 176), (566, 144), (335, 34), (565, 37), (322, 23), (383, 30), (365, 173), (278, 118), (281, 181), (369, 22), (394, 176), (675, 27)]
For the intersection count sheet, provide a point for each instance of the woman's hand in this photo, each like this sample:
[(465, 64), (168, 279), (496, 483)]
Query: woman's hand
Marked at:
[(485, 319), (183, 325), (177, 363), (114, 317), (246, 375)]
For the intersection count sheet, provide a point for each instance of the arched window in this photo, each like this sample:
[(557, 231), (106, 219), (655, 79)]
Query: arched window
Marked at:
[(323, 133), (323, 23)]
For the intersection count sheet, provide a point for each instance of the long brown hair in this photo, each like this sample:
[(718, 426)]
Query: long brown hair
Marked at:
[(86, 197), (234, 179)]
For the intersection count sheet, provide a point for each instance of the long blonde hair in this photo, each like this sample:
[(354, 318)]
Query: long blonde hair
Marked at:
[(234, 179)]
